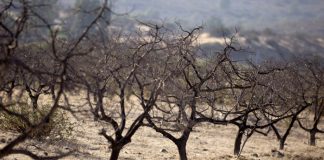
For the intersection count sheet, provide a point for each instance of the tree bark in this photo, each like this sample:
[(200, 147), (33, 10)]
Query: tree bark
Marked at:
[(282, 143), (238, 140), (312, 138), (99, 98), (275, 130), (115, 153), (284, 137), (34, 100), (182, 150)]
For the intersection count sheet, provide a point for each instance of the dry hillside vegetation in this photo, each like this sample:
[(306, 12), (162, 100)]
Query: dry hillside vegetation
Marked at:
[(86, 90)]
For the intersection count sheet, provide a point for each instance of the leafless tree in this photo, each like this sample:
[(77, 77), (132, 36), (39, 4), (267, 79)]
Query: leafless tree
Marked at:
[(293, 95), (190, 97), (259, 106), (22, 70), (127, 68), (312, 74), (176, 84)]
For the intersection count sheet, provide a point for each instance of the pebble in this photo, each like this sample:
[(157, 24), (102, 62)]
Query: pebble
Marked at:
[(163, 150), (255, 155), (277, 154)]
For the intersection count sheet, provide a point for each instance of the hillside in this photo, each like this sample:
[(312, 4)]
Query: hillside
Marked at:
[(281, 15)]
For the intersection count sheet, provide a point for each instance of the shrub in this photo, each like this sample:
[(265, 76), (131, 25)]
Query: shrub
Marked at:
[(58, 128)]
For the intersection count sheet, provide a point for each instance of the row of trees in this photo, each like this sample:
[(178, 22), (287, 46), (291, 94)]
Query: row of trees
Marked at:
[(178, 85)]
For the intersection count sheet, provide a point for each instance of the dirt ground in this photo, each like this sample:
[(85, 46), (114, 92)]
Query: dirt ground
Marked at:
[(207, 142)]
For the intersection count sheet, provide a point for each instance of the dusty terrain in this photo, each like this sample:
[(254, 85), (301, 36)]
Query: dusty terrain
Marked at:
[(206, 142)]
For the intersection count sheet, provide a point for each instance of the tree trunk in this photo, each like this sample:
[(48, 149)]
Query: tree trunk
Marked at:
[(53, 92), (275, 130), (284, 137), (312, 138), (34, 100), (99, 105), (238, 140), (282, 143), (182, 150), (115, 153)]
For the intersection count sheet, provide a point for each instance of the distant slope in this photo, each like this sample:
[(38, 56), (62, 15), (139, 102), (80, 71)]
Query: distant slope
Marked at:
[(283, 15), (260, 46), (296, 26)]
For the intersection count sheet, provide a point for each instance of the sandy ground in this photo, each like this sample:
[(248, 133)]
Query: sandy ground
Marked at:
[(208, 142)]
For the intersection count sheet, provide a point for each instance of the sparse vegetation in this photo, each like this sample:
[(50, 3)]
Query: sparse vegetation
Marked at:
[(156, 78), (58, 128)]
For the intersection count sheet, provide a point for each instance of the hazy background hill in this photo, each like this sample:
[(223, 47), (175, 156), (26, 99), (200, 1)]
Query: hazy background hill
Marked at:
[(281, 15), (286, 16), (275, 29)]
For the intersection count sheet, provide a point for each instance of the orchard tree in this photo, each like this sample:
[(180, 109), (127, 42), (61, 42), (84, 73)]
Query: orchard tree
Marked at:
[(312, 74), (23, 72)]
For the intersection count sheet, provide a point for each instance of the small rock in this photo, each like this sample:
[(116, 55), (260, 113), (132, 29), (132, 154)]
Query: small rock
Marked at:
[(255, 155), (297, 156), (66, 148), (3, 140), (163, 150), (205, 149), (45, 153), (277, 154)]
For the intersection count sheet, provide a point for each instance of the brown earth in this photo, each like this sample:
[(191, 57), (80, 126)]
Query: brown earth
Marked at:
[(207, 142)]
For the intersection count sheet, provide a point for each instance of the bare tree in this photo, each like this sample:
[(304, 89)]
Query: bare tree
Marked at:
[(191, 96), (313, 76), (293, 95), (19, 60), (126, 69), (177, 86), (259, 106)]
